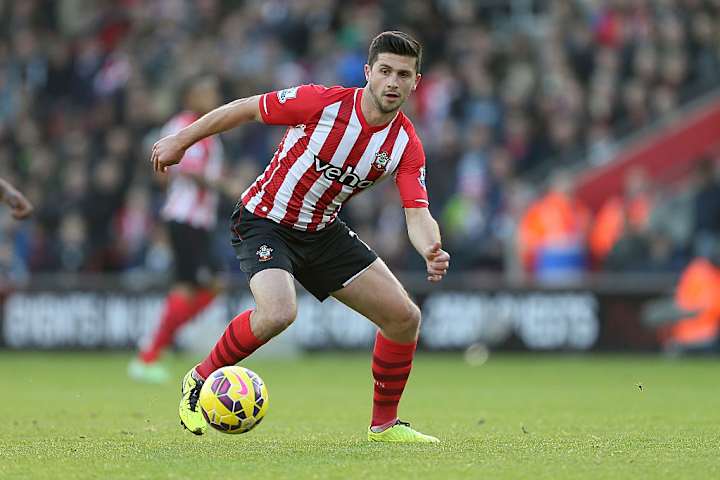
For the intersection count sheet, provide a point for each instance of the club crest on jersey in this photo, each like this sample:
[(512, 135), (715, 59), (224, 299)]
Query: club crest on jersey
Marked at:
[(381, 160), (287, 94), (264, 253)]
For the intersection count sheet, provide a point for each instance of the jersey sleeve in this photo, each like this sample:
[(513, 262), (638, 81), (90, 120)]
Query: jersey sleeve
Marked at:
[(294, 106), (410, 176)]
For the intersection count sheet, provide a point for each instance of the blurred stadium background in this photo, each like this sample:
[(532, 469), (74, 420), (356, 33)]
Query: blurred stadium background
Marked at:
[(573, 152)]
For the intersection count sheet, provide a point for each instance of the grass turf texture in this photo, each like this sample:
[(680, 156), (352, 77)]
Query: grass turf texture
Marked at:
[(76, 415)]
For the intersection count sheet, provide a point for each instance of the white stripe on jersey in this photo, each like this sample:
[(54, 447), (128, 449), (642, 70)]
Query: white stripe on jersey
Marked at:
[(398, 150), (292, 137), (186, 202), (179, 202), (352, 132), (304, 161)]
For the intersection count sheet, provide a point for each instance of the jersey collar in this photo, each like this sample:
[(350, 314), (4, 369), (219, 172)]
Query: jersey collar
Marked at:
[(363, 122)]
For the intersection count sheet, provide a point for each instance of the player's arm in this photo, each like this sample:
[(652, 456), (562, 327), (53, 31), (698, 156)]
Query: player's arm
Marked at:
[(170, 150), (664, 311), (223, 185), (422, 228), (424, 234), (292, 106), (19, 205)]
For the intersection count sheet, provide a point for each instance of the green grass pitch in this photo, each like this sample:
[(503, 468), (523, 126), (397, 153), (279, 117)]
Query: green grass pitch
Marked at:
[(77, 416)]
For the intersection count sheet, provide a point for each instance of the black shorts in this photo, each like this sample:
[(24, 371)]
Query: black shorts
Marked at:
[(192, 248), (322, 261)]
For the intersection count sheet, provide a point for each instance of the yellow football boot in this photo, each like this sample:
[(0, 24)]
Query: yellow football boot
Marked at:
[(400, 433), (190, 415)]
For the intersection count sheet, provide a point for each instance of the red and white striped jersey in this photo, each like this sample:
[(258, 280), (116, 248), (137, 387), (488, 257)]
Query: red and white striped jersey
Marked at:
[(187, 202), (328, 154)]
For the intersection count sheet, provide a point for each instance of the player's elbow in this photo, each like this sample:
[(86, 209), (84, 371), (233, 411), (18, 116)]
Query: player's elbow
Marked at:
[(242, 110), (253, 104), (417, 215)]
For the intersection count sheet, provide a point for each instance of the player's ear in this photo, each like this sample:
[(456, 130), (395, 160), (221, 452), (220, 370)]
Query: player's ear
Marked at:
[(418, 76), (367, 72)]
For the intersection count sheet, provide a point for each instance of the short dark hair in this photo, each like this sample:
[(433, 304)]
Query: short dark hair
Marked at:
[(399, 43)]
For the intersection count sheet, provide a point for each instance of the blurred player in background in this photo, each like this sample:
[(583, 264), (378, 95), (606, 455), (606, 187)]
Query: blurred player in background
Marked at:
[(20, 207), (190, 211), (340, 141)]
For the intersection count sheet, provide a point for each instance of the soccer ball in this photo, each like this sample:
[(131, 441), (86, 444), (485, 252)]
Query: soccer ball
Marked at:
[(233, 399)]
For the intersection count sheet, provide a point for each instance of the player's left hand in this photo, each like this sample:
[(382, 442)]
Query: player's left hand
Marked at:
[(438, 261)]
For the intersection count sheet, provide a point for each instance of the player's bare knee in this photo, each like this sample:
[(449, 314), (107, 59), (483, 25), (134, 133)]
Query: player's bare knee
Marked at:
[(413, 316), (279, 316), (406, 319)]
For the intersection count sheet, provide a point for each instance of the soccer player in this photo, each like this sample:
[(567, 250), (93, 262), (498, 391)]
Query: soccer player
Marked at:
[(339, 142), (190, 214), (20, 207)]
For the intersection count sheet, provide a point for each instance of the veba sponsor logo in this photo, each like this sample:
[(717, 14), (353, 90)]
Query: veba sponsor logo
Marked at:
[(346, 177)]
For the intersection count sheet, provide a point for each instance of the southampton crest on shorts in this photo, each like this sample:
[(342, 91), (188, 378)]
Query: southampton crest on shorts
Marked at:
[(264, 253), (381, 160)]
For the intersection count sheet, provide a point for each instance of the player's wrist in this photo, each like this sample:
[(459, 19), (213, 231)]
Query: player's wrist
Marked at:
[(184, 139)]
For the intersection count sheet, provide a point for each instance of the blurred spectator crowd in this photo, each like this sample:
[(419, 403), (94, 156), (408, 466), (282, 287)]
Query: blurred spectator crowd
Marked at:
[(507, 96)]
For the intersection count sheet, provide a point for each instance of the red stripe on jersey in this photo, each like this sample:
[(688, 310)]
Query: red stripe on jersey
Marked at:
[(342, 120), (376, 173), (268, 172), (278, 177)]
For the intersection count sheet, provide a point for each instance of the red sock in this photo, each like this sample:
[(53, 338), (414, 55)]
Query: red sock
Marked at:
[(236, 343), (391, 366), (177, 311), (202, 299)]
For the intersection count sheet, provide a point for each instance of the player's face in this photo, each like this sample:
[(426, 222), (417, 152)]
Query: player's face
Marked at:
[(391, 79)]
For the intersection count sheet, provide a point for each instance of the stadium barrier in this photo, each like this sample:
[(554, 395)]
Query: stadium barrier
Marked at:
[(599, 313)]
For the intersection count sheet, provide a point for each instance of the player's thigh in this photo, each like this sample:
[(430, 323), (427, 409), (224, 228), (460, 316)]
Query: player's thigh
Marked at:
[(378, 295), (274, 292), (338, 257), (268, 260)]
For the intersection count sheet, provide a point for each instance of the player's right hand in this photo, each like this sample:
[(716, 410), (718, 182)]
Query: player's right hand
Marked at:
[(166, 152), (438, 262)]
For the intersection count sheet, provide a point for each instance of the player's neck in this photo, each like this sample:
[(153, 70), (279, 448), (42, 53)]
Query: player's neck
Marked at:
[(373, 116)]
